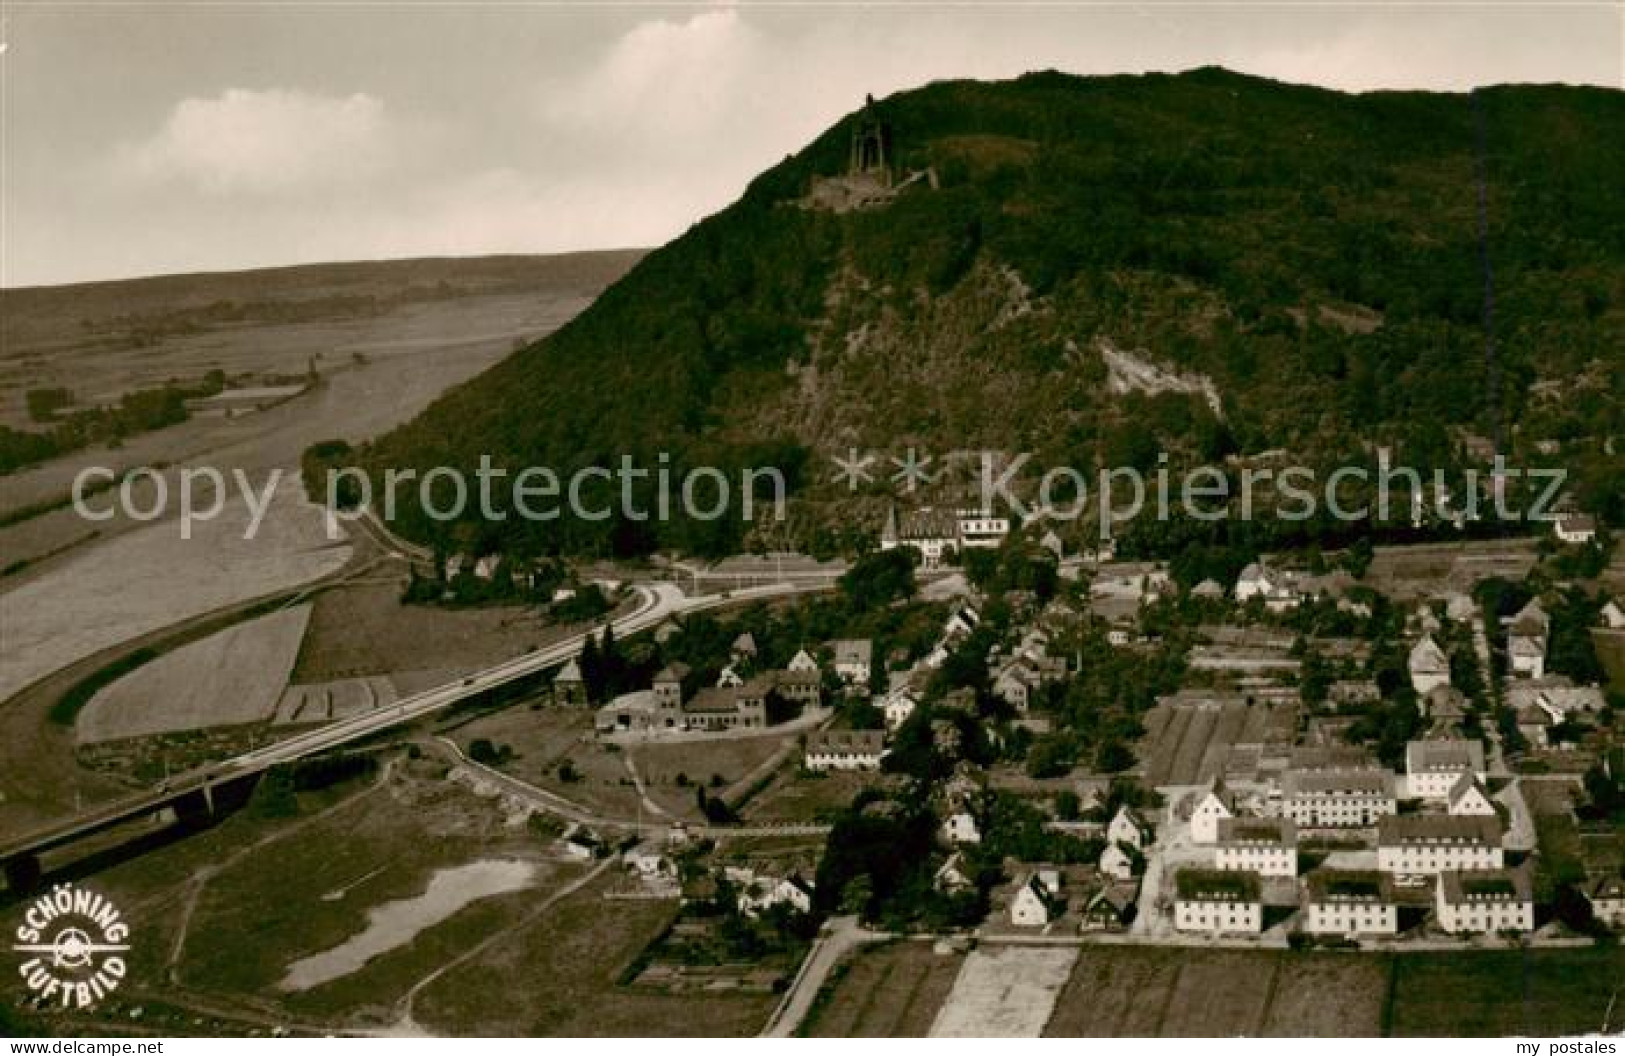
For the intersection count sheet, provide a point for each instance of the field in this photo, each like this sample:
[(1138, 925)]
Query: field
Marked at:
[(363, 629), (1127, 991), (889, 991), (1189, 744), (1540, 993), (1405, 573), (231, 677), (797, 797), (542, 739), (1004, 992), (557, 974)]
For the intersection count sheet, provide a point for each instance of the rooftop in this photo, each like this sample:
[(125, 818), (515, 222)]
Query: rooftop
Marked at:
[(1212, 885)]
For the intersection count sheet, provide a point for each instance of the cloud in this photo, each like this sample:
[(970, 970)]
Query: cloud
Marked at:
[(264, 142)]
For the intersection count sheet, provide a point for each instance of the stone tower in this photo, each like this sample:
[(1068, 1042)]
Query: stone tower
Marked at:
[(871, 146)]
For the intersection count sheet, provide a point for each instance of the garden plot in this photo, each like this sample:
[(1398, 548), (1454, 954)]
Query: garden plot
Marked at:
[(1006, 992), (230, 678)]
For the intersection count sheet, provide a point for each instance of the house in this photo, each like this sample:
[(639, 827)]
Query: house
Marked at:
[(569, 688), (1037, 900), (1556, 695), (1428, 665), (1491, 900), (1460, 607), (1213, 805), (1052, 543), (486, 567), (845, 750), (1422, 844), (1111, 908), (1117, 861), (1014, 684), (1469, 798), (637, 712), (932, 532), (1526, 640), (729, 678), (756, 893), (1534, 726), (1209, 900), (953, 875), (456, 564), (667, 686), (1432, 766), (1127, 826), (961, 828), (730, 707), (1316, 799), (1266, 846), (1208, 590), (1444, 704), (854, 660), (1350, 903), (1613, 616), (899, 705), (803, 661), (744, 647), (1575, 528), (1259, 581), (1607, 897)]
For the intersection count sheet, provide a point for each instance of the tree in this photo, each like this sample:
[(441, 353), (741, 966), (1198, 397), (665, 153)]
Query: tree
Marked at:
[(878, 579)]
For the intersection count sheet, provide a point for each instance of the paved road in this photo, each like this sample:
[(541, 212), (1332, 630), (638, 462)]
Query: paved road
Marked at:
[(841, 936), (657, 602)]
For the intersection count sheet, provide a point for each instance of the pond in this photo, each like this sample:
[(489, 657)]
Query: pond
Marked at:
[(397, 923)]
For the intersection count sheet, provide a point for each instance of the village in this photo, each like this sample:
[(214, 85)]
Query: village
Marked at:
[(1325, 764)]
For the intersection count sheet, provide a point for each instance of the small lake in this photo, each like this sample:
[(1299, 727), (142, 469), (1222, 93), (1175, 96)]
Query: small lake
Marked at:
[(397, 923)]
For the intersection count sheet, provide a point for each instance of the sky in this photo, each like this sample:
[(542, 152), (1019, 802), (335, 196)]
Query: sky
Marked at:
[(143, 139)]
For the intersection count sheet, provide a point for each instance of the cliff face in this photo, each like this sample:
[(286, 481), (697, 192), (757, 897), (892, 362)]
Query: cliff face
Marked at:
[(1095, 268)]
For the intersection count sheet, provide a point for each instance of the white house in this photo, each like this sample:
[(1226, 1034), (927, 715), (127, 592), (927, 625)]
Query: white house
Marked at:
[(1575, 528), (1259, 581), (1015, 683), (1116, 861), (1127, 826), (803, 661), (486, 567), (1613, 616), (1484, 901), (1433, 766), (961, 827), (1337, 798), (845, 750), (1469, 798), (1035, 903), (1211, 807), (757, 893), (1424, 844), (1428, 665), (899, 705), (952, 877), (1216, 902), (1266, 846), (1526, 640), (1349, 903)]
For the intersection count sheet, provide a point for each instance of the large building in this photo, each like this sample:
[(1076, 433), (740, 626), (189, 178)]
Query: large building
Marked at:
[(1266, 846), (1350, 903), (1432, 768), (1485, 901), (939, 534), (845, 750), (1217, 902), (1317, 799), (1424, 844)]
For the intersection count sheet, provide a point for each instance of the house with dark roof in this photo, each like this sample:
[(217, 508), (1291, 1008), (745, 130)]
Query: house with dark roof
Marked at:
[(1349, 903), (1266, 846), (1487, 900), (845, 750), (1425, 844), (1218, 902)]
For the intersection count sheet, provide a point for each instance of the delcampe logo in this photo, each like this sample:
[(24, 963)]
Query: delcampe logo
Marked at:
[(73, 942)]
